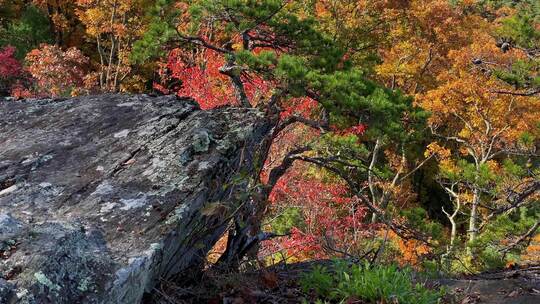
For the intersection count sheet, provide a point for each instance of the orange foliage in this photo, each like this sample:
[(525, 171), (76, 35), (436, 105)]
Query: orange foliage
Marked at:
[(420, 37), (57, 72), (532, 253), (467, 99), (412, 251)]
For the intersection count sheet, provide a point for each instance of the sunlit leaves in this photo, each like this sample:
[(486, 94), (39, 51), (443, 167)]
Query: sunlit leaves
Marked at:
[(57, 72)]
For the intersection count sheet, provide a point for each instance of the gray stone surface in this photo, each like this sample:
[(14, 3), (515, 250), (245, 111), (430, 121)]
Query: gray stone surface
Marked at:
[(101, 196)]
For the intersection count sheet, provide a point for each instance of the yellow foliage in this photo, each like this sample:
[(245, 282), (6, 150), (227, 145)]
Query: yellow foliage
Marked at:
[(435, 149), (448, 165), (532, 253), (493, 166)]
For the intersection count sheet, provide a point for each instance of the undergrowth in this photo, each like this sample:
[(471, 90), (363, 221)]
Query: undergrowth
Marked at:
[(370, 283)]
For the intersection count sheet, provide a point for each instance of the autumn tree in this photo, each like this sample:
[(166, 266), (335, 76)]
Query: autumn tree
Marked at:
[(112, 26), (389, 118), (63, 24), (486, 140), (317, 217), (274, 41), (519, 29), (421, 33)]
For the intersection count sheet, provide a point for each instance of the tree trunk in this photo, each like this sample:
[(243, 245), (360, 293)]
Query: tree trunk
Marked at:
[(472, 219), (245, 233), (371, 182), (453, 233), (473, 229)]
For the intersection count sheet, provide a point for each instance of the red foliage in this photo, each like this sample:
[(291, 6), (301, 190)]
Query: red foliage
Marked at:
[(9, 66), (11, 71), (203, 81), (299, 106), (333, 219), (257, 89), (357, 130), (19, 91), (330, 214)]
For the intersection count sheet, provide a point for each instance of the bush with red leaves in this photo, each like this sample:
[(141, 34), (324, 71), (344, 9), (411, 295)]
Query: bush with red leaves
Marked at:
[(10, 70)]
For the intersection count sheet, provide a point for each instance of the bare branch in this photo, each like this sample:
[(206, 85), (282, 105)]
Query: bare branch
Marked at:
[(516, 200), (420, 165), (372, 164), (274, 99), (400, 229), (277, 172), (529, 93)]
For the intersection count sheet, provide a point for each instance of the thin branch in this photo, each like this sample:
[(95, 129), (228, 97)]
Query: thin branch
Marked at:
[(372, 164), (420, 165), (522, 238), (518, 200), (202, 42), (274, 99), (529, 93), (401, 230)]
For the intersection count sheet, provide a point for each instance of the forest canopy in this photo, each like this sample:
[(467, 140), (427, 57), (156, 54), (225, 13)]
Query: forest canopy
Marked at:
[(405, 130)]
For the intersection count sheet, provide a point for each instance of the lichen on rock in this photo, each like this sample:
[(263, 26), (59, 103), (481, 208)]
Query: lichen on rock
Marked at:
[(101, 196)]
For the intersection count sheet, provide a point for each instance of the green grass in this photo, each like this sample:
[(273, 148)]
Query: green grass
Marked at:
[(373, 283)]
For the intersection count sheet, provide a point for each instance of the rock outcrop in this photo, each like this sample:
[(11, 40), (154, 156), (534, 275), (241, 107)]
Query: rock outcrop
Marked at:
[(102, 196)]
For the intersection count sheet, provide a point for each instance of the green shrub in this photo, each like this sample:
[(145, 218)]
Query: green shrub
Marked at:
[(489, 247), (369, 283)]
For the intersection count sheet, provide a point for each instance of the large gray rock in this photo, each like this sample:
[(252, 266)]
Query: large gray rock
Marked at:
[(102, 196)]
